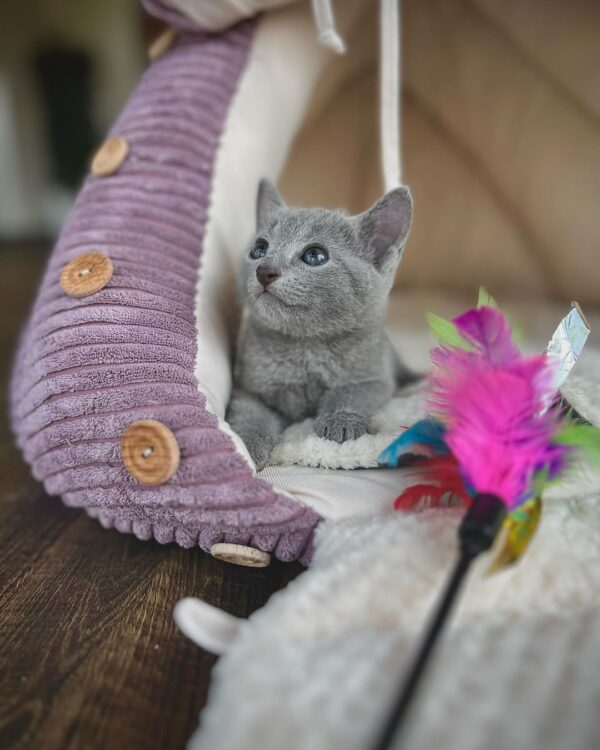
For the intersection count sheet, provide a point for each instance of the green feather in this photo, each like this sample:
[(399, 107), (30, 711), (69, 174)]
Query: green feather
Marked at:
[(485, 299), (583, 436)]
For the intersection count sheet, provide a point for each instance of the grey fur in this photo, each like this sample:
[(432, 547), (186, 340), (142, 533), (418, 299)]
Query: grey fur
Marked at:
[(314, 343)]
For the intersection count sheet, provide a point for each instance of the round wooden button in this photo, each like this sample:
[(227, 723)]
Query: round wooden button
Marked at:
[(150, 451), (241, 555), (86, 274), (162, 43), (109, 157)]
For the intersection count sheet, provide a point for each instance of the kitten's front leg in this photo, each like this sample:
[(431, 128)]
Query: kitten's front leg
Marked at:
[(257, 425), (345, 413)]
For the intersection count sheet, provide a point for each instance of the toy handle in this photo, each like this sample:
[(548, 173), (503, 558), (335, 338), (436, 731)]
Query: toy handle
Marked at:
[(476, 534)]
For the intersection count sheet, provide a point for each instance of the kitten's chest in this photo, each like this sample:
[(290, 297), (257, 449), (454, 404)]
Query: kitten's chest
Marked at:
[(291, 377)]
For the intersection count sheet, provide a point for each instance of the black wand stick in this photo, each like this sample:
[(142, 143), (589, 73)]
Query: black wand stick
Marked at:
[(476, 534)]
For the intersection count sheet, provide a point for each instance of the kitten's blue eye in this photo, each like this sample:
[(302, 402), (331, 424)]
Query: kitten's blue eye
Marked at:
[(259, 250), (315, 255)]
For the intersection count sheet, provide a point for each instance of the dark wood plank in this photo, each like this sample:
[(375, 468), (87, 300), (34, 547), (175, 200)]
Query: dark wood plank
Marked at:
[(89, 654)]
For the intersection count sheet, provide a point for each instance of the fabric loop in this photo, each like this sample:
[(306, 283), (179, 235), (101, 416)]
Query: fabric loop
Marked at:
[(389, 79)]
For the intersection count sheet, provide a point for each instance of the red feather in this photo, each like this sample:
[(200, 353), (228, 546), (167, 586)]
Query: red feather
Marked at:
[(443, 479)]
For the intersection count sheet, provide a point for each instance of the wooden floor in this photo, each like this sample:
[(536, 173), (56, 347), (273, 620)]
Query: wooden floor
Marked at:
[(89, 654)]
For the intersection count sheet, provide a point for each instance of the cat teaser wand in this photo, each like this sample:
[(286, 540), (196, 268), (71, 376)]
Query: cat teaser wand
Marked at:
[(492, 441)]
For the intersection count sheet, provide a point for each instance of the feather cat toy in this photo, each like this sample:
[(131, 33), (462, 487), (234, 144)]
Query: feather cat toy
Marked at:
[(493, 441)]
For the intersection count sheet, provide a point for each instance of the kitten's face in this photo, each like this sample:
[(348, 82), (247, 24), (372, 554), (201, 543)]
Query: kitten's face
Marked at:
[(312, 272)]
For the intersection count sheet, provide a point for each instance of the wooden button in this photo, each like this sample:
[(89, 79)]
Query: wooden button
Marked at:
[(241, 555), (86, 274), (109, 157), (150, 451), (162, 43)]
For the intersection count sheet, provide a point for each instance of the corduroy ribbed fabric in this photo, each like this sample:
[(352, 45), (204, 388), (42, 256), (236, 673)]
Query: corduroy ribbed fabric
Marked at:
[(87, 368)]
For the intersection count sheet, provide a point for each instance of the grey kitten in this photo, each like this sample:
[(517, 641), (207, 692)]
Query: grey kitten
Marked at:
[(316, 286)]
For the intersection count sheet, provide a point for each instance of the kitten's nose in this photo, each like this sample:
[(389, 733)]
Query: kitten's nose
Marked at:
[(267, 275)]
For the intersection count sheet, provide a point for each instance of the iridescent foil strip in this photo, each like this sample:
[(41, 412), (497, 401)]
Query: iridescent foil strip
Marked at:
[(568, 341)]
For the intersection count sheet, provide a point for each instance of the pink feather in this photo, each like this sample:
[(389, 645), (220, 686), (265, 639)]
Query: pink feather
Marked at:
[(486, 328), (492, 401)]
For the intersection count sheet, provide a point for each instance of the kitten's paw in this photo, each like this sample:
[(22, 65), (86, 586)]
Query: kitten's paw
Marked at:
[(259, 447), (341, 426)]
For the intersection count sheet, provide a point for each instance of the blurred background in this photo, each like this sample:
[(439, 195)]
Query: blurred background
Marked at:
[(66, 68)]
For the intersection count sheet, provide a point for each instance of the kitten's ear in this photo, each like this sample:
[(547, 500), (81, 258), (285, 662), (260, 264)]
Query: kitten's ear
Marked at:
[(268, 204), (384, 228)]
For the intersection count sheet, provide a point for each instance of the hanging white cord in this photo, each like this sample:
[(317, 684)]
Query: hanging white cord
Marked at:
[(328, 36), (390, 94)]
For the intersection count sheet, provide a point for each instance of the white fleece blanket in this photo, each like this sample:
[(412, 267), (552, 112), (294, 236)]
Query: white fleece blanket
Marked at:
[(317, 666)]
